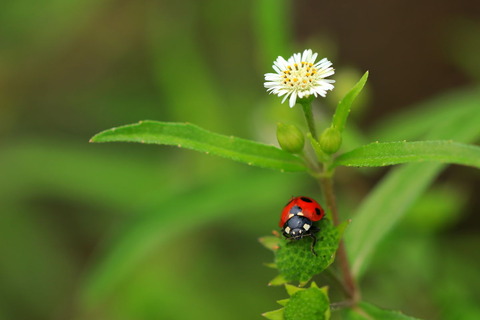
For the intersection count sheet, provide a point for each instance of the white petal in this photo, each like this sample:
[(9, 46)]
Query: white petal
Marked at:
[(293, 99), (326, 73), (281, 63), (307, 54)]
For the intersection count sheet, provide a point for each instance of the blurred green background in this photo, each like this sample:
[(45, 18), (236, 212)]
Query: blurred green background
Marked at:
[(125, 231)]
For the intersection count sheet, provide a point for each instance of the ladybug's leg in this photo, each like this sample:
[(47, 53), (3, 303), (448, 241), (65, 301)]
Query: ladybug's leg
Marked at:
[(313, 230), (314, 242)]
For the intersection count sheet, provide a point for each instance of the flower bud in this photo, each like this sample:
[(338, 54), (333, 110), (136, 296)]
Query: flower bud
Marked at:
[(330, 140), (290, 138)]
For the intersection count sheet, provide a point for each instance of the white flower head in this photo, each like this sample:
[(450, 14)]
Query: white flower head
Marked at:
[(299, 77)]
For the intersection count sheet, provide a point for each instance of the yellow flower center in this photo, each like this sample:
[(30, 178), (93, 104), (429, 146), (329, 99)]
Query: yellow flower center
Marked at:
[(300, 77)]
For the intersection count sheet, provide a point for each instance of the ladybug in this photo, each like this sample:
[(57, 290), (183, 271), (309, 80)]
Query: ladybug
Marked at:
[(298, 217)]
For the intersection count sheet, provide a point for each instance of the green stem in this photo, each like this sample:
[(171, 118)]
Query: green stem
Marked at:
[(307, 110), (348, 280), (325, 180)]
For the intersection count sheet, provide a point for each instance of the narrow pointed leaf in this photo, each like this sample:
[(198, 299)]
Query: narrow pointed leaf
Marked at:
[(283, 302), (343, 108), (190, 136), (270, 242), (397, 192), (274, 315), (270, 265), (291, 290), (390, 153), (278, 281)]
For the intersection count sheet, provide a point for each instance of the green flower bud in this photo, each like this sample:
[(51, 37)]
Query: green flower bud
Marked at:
[(330, 140), (290, 138)]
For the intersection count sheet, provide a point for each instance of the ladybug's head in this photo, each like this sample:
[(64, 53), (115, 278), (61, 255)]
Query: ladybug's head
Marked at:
[(297, 227)]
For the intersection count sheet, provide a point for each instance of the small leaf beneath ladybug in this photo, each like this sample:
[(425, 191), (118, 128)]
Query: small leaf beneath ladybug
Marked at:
[(295, 260)]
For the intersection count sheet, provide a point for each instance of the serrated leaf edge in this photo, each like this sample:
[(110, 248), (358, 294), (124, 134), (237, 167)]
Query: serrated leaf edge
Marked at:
[(275, 314)]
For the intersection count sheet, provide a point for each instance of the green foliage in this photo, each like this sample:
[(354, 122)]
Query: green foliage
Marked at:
[(308, 304), (144, 234), (129, 232), (304, 304), (317, 148), (193, 137), (389, 153), (295, 260), (396, 193), (365, 311), (438, 209), (344, 106)]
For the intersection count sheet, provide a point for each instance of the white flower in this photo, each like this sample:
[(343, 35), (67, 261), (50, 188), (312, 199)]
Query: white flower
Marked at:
[(299, 77)]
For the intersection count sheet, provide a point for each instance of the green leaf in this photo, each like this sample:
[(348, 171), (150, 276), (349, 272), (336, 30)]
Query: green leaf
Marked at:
[(274, 315), (278, 280), (270, 242), (283, 302), (304, 304), (343, 108), (398, 191), (296, 262), (322, 156), (365, 311), (193, 137), (308, 304), (140, 236), (390, 153), (383, 209), (291, 290)]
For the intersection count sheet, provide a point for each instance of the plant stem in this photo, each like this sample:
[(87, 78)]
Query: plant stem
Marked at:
[(348, 280), (307, 110), (341, 305), (325, 180)]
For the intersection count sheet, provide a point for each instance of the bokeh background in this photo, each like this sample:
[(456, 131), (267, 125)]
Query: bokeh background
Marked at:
[(126, 231)]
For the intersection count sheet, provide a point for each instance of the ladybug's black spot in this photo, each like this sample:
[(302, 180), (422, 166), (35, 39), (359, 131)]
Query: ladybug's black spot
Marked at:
[(306, 199), (295, 210), (318, 212)]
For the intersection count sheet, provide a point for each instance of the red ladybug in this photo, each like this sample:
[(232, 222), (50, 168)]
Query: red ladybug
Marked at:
[(298, 217)]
